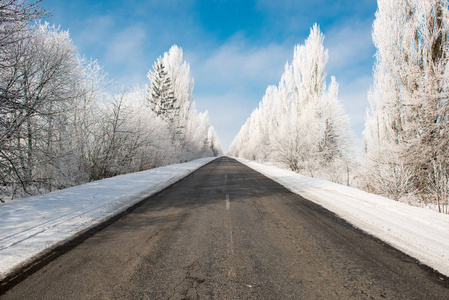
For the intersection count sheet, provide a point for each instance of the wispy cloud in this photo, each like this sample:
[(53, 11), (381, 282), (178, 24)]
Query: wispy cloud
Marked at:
[(94, 32), (125, 44), (349, 45), (125, 51), (235, 62)]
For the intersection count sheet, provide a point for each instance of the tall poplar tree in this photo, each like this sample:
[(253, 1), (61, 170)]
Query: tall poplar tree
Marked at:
[(406, 135)]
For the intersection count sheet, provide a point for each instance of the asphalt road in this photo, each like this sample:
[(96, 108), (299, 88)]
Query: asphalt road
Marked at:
[(228, 232)]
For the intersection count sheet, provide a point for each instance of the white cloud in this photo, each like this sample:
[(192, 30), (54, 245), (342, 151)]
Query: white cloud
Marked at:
[(125, 51), (126, 45), (95, 31), (120, 50), (235, 63), (349, 45)]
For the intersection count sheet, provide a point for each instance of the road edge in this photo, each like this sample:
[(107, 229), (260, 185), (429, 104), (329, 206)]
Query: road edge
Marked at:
[(25, 269), (437, 276)]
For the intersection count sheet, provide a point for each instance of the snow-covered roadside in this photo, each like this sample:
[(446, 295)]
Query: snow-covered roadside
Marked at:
[(31, 225), (418, 232)]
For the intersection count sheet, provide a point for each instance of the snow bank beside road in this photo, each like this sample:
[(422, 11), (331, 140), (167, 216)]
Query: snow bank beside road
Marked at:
[(31, 225), (418, 232)]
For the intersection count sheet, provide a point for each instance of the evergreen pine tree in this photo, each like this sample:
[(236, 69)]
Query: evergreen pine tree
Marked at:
[(162, 100)]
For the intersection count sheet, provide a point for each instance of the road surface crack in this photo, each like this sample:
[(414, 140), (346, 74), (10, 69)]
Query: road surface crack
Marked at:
[(258, 210), (188, 287), (136, 249)]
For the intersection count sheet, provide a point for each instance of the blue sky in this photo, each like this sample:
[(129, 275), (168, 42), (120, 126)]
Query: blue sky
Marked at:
[(235, 48)]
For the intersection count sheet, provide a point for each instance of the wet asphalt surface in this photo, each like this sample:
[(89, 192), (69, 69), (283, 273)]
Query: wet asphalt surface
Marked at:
[(228, 232)]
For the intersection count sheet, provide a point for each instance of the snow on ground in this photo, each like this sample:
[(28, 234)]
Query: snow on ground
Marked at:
[(31, 225), (418, 232)]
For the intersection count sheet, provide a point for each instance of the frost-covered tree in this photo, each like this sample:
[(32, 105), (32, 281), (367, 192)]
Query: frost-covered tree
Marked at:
[(214, 142), (192, 137), (162, 96), (14, 18), (183, 84), (336, 140), (44, 81), (127, 137), (406, 127), (300, 123)]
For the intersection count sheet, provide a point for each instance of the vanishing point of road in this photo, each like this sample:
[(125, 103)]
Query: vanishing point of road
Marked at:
[(228, 232)]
